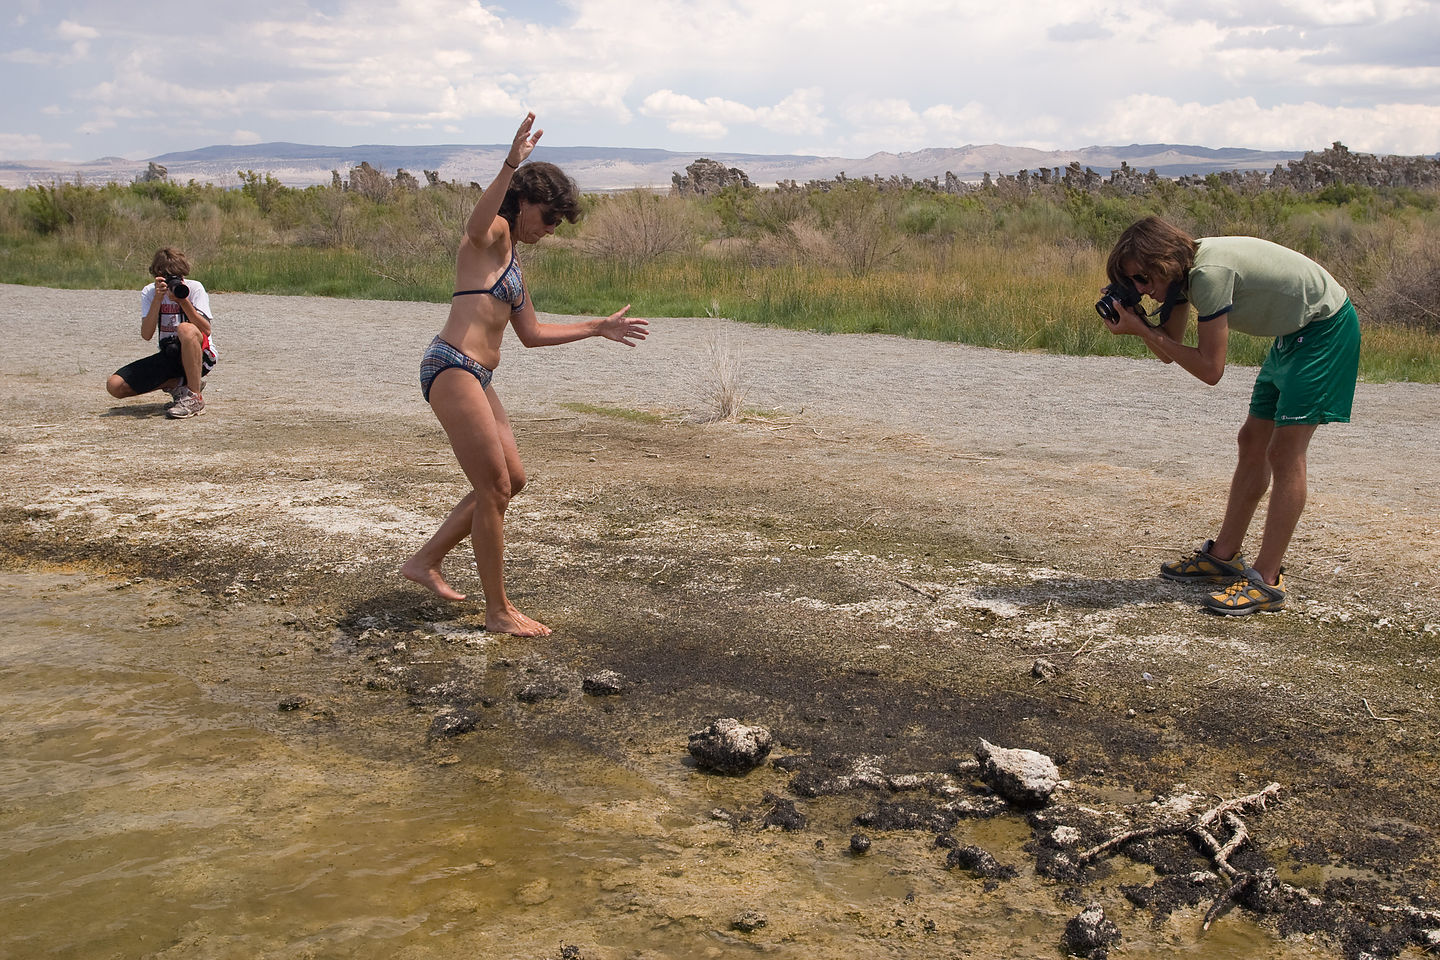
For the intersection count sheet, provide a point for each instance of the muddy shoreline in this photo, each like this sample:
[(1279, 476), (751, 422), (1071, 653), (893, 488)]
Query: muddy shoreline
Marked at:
[(869, 565)]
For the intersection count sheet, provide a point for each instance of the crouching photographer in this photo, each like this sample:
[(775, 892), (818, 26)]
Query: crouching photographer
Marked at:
[(1256, 287), (178, 309)]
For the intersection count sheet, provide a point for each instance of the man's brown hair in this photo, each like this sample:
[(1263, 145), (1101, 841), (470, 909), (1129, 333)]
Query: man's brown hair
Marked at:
[(1154, 246), (169, 262)]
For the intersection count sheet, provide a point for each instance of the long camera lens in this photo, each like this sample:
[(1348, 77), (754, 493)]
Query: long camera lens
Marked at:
[(178, 288)]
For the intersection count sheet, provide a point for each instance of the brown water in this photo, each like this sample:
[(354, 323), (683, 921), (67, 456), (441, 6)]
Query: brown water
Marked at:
[(145, 812)]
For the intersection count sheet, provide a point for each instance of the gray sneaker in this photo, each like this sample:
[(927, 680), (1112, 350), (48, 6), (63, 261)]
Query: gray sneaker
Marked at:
[(190, 405), (180, 392)]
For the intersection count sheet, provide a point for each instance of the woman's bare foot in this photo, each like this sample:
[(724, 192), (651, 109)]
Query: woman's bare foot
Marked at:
[(429, 578), (515, 623)]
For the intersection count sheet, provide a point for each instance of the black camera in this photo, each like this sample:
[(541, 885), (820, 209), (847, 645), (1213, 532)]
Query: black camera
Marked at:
[(170, 347), (1117, 295), (178, 288)]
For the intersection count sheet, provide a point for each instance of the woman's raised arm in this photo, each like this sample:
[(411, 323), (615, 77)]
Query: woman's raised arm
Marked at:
[(482, 218)]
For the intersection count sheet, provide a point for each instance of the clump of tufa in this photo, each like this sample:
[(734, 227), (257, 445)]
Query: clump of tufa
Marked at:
[(1091, 933), (728, 746), (1023, 777)]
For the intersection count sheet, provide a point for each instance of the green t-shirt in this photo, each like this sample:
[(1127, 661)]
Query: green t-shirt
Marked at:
[(1264, 289)]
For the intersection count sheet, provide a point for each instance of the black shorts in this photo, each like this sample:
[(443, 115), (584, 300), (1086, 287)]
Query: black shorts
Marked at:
[(153, 372)]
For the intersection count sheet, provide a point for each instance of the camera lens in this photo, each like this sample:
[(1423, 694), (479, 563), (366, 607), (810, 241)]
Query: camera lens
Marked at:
[(180, 290)]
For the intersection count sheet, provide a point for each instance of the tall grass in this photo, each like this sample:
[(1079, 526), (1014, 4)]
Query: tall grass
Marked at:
[(994, 268)]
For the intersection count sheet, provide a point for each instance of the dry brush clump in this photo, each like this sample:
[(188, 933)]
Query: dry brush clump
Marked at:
[(1406, 290), (719, 386), (638, 226)]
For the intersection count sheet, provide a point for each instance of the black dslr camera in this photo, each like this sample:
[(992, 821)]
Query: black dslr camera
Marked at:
[(178, 288), (1117, 295)]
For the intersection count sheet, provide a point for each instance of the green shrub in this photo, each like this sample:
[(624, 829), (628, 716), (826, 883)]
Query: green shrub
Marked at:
[(1015, 266)]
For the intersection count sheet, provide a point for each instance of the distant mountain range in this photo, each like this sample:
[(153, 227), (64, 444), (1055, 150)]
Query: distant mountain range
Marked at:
[(618, 168)]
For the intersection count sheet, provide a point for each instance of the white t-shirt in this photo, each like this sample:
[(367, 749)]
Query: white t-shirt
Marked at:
[(170, 315)]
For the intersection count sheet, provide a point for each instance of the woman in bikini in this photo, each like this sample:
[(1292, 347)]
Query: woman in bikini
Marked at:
[(521, 205)]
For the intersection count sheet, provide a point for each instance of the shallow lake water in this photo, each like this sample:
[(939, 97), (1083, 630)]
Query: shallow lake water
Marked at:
[(147, 811)]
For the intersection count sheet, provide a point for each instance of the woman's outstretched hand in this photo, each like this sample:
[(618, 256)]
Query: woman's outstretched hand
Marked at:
[(524, 141), (623, 329)]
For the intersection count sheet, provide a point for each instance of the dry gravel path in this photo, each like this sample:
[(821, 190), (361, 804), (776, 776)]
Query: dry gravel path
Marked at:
[(1043, 421)]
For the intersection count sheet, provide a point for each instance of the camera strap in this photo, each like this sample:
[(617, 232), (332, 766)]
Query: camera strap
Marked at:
[(1173, 298)]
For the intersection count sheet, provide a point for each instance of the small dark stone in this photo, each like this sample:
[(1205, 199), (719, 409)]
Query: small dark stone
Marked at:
[(907, 816), (452, 724), (946, 841), (1091, 934), (606, 683), (859, 843), (979, 862), (296, 702), (749, 922), (535, 692), (783, 814)]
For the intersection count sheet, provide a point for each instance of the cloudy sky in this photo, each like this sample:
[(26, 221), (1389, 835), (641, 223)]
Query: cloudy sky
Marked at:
[(92, 78)]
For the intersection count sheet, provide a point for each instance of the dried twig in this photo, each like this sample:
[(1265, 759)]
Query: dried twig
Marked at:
[(1238, 835), (924, 593), (1143, 833), (1382, 719), (1225, 899), (1199, 828)]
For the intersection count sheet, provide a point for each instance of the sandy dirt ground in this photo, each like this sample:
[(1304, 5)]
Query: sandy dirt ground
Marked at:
[(870, 561)]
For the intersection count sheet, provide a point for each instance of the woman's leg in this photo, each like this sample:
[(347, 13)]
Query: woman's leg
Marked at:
[(424, 567), (482, 440)]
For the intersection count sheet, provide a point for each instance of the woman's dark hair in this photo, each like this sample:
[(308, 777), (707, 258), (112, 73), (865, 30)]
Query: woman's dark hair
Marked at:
[(1156, 246), (169, 262), (542, 183)]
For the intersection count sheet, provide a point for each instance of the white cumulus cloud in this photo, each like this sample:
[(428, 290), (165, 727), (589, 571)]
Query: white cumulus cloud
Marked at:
[(798, 113)]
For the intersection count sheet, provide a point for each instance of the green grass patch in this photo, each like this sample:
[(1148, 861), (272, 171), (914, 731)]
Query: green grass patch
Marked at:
[(617, 413)]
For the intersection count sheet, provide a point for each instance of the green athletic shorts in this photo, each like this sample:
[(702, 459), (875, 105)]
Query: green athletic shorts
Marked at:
[(1309, 375)]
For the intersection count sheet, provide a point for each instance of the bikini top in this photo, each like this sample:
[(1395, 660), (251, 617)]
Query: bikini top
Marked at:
[(508, 288)]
